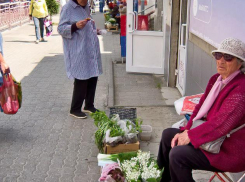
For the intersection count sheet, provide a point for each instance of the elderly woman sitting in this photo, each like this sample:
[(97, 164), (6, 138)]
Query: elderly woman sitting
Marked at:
[(222, 107)]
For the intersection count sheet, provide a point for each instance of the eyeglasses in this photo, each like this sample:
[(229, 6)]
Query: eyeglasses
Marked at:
[(227, 57)]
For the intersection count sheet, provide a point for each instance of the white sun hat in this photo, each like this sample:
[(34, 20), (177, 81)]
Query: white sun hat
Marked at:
[(232, 46)]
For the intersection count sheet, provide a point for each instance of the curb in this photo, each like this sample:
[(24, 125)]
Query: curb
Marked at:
[(111, 94)]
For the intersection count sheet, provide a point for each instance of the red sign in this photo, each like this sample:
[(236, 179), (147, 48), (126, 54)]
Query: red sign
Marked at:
[(190, 103), (145, 2), (143, 22)]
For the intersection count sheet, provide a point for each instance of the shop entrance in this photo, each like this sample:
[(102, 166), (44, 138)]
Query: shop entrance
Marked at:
[(182, 51), (146, 30)]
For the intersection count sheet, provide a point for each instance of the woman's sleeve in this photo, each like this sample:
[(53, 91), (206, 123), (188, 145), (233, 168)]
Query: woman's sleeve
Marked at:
[(31, 8), (45, 8), (64, 27), (228, 118)]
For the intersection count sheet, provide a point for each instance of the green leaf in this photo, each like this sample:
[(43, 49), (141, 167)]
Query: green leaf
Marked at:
[(53, 7), (151, 180), (126, 156), (112, 20)]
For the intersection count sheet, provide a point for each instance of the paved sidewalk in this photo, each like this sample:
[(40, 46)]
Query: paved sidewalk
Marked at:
[(42, 142), (136, 89)]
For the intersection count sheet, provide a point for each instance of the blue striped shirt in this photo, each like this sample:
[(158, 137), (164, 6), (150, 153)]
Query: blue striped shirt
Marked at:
[(81, 48)]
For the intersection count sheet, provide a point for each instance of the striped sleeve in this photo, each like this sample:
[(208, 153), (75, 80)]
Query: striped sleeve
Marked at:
[(64, 27)]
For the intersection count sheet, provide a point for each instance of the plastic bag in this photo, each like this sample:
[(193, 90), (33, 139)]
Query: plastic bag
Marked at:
[(127, 125), (186, 105), (102, 31), (48, 27), (8, 97), (18, 88), (112, 141), (111, 173), (181, 123), (123, 126), (132, 138), (115, 117)]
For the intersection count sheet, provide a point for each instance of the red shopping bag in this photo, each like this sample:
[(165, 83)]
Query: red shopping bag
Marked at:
[(190, 103), (8, 97), (186, 105)]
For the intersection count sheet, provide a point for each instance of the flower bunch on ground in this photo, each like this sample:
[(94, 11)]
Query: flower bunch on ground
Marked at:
[(141, 168)]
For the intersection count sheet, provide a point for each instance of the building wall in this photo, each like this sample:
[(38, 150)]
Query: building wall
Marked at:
[(174, 42), (158, 16), (200, 65)]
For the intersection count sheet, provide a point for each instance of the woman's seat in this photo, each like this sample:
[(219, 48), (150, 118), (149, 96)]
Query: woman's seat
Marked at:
[(224, 178), (221, 176)]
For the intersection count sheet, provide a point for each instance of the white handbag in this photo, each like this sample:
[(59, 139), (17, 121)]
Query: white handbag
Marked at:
[(214, 146)]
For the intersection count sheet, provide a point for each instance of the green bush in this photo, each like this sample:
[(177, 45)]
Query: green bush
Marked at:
[(53, 7)]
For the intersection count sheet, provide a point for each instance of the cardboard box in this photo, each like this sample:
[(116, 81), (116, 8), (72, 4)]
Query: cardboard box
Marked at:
[(122, 148)]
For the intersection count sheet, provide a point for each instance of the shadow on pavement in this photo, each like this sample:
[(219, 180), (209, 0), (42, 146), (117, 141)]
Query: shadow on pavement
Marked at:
[(46, 100), (21, 41), (42, 129), (13, 135)]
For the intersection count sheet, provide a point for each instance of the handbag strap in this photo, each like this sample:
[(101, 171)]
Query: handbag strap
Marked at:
[(233, 131)]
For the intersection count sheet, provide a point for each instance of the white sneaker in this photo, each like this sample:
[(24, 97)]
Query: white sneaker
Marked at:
[(37, 41)]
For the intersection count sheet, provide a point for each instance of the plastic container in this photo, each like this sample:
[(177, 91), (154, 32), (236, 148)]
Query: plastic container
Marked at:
[(145, 135)]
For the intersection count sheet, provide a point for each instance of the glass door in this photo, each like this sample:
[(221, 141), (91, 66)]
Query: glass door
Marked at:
[(182, 53), (145, 36)]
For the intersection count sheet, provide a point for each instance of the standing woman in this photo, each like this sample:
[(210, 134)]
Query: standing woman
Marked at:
[(38, 11), (102, 4), (82, 54)]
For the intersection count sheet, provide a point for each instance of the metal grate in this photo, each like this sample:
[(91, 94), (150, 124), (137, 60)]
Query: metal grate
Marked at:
[(124, 112)]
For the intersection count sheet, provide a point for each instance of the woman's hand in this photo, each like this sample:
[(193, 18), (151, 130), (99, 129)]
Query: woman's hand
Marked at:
[(81, 24), (5, 67), (98, 32), (30, 16), (183, 138), (175, 140)]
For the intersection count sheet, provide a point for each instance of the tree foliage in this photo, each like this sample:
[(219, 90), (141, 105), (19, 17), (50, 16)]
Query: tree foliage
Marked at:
[(53, 7)]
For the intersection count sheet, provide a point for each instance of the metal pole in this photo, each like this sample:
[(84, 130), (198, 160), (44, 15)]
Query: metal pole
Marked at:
[(142, 7), (136, 5)]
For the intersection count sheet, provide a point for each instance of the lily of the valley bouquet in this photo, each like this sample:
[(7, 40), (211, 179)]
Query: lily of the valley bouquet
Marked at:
[(142, 168)]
